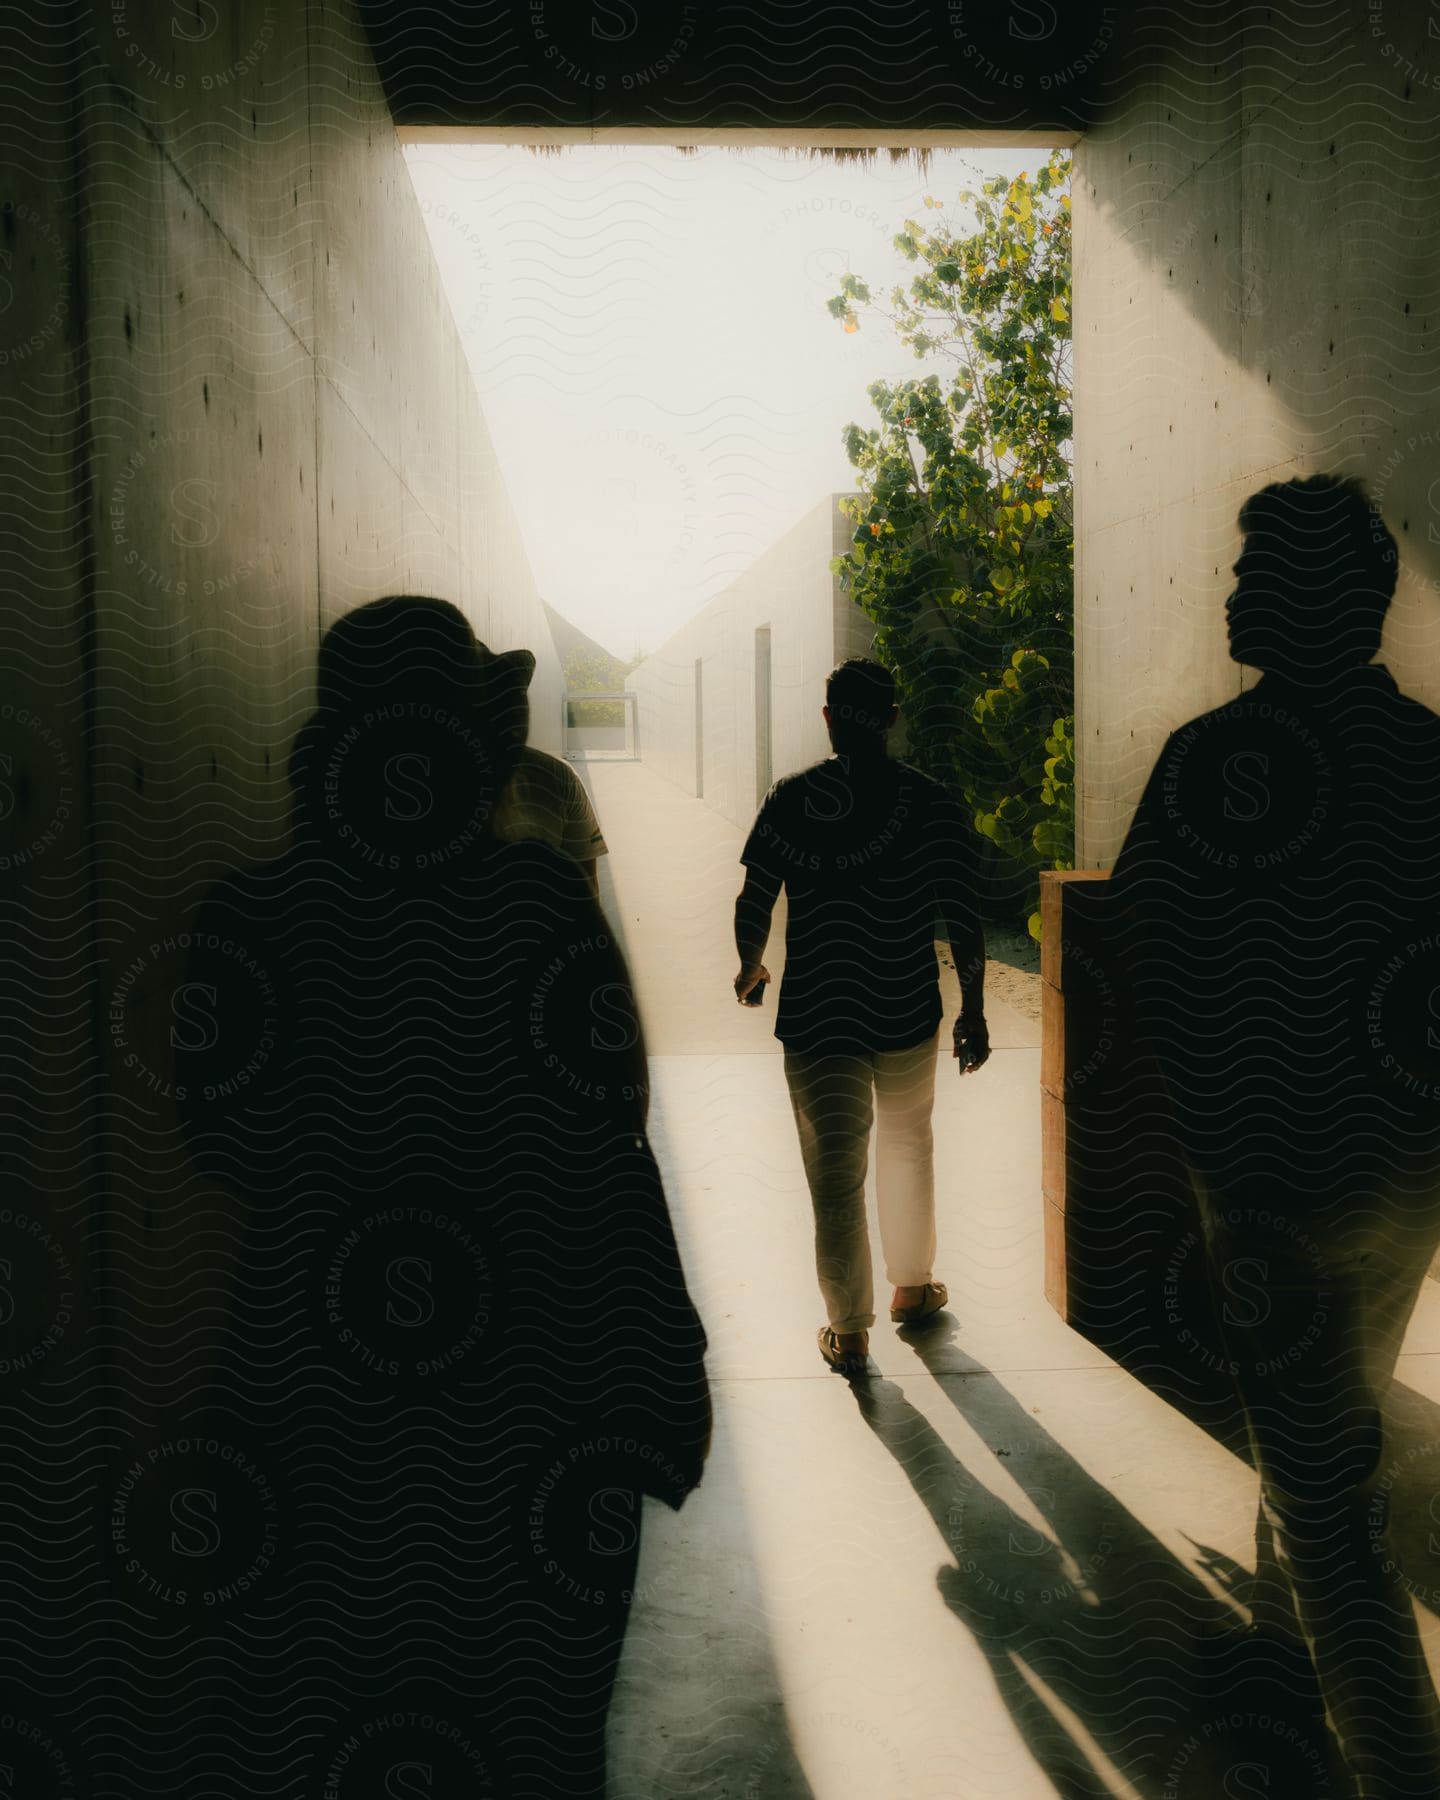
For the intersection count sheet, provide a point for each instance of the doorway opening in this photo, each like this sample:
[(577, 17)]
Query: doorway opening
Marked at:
[(600, 727), (675, 385)]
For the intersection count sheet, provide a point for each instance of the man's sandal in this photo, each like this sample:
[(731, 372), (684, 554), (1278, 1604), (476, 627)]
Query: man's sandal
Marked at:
[(935, 1296), (848, 1363)]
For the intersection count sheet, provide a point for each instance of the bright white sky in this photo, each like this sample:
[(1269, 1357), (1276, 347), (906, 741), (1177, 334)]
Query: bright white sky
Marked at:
[(649, 340)]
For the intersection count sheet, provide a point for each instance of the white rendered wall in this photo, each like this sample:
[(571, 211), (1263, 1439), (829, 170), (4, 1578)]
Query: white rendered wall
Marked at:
[(812, 625)]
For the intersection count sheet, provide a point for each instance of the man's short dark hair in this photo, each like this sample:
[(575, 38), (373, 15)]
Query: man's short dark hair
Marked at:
[(860, 694), (1329, 537)]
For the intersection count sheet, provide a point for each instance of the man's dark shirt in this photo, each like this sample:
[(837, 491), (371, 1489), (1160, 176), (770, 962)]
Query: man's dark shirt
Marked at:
[(1276, 918), (873, 855)]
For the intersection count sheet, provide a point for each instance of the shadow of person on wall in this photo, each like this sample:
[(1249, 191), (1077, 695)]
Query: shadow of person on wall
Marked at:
[(1111, 1654), (462, 1344), (1275, 910)]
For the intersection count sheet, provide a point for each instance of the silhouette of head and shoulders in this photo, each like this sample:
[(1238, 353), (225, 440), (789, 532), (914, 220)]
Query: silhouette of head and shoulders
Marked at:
[(403, 943), (1284, 861), (1314, 581), (1323, 751), (860, 811)]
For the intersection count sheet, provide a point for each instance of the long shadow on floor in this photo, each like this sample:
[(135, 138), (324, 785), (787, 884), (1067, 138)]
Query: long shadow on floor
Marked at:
[(1194, 1382), (699, 1707), (1111, 1654)]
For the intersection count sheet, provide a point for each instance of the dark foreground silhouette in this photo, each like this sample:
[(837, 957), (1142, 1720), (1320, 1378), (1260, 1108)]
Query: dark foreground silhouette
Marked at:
[(462, 1346), (1276, 907)]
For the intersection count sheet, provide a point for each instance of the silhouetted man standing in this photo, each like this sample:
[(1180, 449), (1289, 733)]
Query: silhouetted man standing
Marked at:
[(1277, 910), (872, 856)]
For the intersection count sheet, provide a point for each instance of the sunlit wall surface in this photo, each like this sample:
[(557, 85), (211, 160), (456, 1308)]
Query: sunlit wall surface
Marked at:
[(1255, 297), (790, 592)]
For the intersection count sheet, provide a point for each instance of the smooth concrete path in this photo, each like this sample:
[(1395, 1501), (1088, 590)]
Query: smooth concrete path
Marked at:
[(985, 1578)]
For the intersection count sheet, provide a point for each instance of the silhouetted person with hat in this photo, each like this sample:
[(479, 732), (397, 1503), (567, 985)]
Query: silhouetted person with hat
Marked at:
[(461, 1333), (873, 858), (1276, 911), (542, 797)]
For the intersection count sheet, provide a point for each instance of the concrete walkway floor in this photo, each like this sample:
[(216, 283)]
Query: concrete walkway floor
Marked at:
[(987, 1575)]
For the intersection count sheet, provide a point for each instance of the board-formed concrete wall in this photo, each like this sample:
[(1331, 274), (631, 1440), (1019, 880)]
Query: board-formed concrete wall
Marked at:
[(812, 626), (283, 426), (48, 1151), (235, 406), (1257, 286)]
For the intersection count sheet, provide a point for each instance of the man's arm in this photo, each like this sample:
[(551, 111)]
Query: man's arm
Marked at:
[(754, 906), (966, 936), (959, 913), (971, 1035)]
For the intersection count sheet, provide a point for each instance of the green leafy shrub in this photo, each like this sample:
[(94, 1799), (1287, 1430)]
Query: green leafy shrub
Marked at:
[(963, 543)]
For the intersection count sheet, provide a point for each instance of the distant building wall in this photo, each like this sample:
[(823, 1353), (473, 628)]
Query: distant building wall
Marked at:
[(790, 590), (609, 738)]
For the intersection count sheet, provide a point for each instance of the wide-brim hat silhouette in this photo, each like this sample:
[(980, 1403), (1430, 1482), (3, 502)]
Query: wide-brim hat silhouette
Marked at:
[(412, 641), (396, 772), (507, 668)]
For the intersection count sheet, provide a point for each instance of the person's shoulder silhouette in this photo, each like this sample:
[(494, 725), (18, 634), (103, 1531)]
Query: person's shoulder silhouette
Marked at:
[(403, 1003), (846, 821), (1305, 766), (1286, 848)]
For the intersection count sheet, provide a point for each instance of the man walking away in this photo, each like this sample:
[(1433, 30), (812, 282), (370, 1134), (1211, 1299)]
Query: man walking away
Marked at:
[(872, 855)]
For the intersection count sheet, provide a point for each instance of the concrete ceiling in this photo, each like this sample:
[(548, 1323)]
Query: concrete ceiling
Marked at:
[(887, 67)]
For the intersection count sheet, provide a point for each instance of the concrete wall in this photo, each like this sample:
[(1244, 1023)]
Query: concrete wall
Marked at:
[(234, 406), (283, 427), (48, 1154), (1256, 291), (812, 625)]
